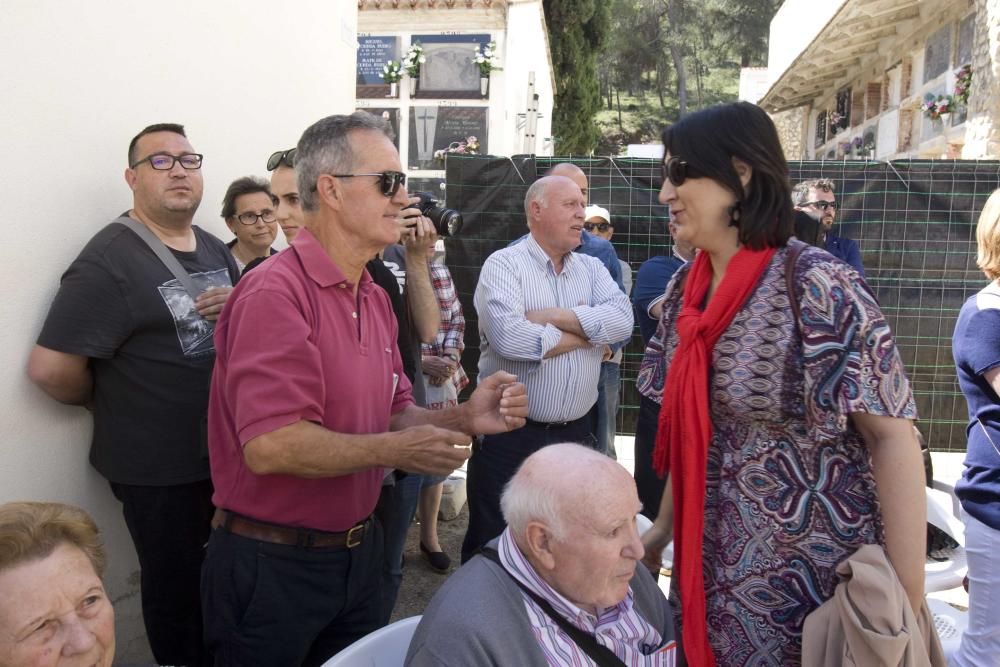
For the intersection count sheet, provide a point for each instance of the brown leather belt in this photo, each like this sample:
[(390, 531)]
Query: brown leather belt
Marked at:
[(288, 535)]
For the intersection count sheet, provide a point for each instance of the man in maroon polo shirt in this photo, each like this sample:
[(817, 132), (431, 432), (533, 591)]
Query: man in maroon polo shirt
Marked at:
[(309, 405)]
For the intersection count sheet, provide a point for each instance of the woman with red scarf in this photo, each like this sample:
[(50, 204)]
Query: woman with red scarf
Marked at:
[(785, 426)]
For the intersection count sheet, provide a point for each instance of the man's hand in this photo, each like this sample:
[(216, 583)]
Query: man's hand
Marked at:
[(563, 319), (416, 232), (499, 404), (542, 315), (210, 302), (606, 353), (440, 368), (429, 450)]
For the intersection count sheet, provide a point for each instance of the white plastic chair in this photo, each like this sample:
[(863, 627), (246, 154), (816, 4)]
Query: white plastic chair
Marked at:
[(944, 512), (643, 524), (950, 624), (386, 647)]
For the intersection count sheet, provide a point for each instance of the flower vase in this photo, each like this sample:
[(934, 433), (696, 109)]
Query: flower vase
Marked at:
[(392, 89), (484, 85), (871, 154), (413, 86), (945, 119)]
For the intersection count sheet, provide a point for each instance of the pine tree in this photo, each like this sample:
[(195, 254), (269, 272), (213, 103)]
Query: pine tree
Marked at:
[(578, 30)]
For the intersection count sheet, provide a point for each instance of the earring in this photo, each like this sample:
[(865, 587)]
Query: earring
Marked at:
[(734, 214)]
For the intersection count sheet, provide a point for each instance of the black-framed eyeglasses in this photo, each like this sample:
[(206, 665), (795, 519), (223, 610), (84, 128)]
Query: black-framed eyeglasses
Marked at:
[(250, 218), (677, 171), (166, 162), (821, 204), (598, 226), (388, 181), (282, 157)]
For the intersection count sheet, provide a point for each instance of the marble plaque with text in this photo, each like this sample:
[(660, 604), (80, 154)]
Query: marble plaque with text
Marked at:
[(435, 128), (373, 53)]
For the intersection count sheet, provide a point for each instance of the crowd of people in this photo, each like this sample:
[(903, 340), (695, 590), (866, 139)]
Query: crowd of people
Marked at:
[(294, 410)]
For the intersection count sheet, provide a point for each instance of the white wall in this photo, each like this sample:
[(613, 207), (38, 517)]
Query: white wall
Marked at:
[(526, 50), (795, 25), (78, 80)]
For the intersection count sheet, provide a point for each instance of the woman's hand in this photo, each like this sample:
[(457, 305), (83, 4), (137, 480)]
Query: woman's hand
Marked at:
[(654, 541)]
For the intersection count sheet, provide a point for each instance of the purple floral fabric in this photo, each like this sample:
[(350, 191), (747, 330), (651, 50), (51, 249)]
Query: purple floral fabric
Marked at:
[(789, 489)]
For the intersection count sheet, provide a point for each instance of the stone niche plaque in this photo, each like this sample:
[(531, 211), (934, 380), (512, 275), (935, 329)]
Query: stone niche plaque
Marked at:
[(450, 70), (373, 52), (434, 128), (389, 115)]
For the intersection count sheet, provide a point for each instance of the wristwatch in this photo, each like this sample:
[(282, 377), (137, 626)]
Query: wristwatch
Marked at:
[(451, 355)]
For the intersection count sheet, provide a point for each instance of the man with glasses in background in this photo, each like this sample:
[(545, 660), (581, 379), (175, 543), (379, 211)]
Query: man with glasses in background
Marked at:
[(816, 197), (309, 406), (125, 338)]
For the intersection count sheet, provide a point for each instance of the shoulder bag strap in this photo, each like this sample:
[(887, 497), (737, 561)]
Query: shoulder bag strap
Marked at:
[(602, 655), (795, 248), (163, 253)]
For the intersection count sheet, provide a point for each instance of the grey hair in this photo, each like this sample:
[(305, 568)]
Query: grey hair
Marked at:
[(800, 193), (536, 192), (325, 148), (527, 498)]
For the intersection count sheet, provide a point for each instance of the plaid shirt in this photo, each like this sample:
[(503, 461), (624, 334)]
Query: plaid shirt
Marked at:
[(451, 332)]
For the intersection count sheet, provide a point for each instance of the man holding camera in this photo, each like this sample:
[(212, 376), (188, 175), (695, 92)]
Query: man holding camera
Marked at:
[(309, 406), (125, 338)]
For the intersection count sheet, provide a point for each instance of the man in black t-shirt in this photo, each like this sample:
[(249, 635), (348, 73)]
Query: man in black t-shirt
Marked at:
[(125, 338)]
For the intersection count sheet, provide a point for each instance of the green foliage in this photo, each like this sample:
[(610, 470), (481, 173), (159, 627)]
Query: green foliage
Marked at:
[(578, 31)]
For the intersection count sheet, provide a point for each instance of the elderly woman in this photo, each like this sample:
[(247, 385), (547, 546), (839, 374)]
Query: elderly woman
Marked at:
[(976, 347), (785, 429), (248, 209), (53, 607)]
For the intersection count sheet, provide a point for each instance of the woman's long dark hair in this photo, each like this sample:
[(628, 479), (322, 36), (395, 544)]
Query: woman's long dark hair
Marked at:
[(708, 140)]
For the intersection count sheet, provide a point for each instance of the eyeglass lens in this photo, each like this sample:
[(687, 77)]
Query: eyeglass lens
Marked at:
[(250, 218), (674, 170), (165, 162), (599, 226), (389, 181)]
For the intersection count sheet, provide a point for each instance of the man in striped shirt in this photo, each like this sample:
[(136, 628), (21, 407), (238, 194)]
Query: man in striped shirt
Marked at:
[(561, 583), (547, 314)]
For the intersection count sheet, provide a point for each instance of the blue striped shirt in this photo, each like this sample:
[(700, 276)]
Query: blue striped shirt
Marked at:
[(620, 628), (522, 278)]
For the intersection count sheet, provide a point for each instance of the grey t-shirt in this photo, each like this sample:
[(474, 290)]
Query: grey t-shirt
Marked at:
[(151, 353)]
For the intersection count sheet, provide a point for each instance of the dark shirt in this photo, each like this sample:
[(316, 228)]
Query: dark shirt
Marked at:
[(389, 273), (846, 250), (650, 284), (976, 348), (151, 353)]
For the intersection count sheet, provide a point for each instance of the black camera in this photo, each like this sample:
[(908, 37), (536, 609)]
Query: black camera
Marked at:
[(447, 221)]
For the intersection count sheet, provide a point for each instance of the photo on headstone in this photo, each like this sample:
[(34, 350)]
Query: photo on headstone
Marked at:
[(450, 69), (373, 53), (390, 116), (436, 131)]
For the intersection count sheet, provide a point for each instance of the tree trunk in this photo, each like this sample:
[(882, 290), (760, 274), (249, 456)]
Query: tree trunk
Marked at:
[(618, 96), (659, 85), (677, 55)]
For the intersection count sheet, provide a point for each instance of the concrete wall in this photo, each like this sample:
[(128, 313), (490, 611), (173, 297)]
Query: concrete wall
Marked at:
[(79, 79), (793, 28)]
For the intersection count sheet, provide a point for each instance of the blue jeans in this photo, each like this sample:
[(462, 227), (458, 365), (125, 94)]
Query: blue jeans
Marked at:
[(607, 408)]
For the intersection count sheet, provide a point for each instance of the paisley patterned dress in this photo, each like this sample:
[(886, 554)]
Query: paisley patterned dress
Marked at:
[(789, 491)]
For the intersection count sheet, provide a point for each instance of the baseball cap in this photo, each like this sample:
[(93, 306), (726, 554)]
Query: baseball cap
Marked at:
[(595, 211)]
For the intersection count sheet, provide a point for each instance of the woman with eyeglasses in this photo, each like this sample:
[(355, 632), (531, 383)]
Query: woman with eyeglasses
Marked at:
[(976, 349), (785, 429), (248, 209)]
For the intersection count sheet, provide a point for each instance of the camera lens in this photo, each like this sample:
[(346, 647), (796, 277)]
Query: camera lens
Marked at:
[(447, 222)]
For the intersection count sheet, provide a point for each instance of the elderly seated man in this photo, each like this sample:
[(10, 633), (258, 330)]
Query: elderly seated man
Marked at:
[(560, 585)]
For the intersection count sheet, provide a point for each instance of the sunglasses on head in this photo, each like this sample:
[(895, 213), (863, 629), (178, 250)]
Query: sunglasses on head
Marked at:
[(598, 226), (389, 182), (823, 205), (281, 157), (677, 171)]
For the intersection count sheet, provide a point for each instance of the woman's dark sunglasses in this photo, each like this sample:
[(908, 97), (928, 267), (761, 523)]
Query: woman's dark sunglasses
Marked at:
[(388, 181), (677, 171), (279, 157)]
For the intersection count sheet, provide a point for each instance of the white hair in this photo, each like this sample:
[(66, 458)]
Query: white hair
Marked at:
[(536, 192), (528, 498)]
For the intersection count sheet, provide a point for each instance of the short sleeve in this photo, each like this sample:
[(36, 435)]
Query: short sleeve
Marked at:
[(981, 347), (272, 379), (89, 315), (850, 359)]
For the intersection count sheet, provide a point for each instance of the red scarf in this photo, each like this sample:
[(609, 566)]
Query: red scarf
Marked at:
[(685, 428)]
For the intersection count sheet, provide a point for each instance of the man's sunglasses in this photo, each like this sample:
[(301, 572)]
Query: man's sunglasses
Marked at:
[(598, 226), (677, 171), (281, 157), (388, 181), (823, 205)]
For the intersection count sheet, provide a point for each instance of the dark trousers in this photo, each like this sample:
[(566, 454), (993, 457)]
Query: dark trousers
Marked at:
[(397, 505), (649, 485), (275, 605), (169, 526), (495, 459)]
